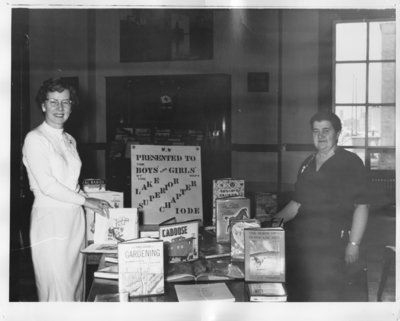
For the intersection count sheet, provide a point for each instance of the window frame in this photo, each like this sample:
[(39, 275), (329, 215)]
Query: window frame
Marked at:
[(368, 149)]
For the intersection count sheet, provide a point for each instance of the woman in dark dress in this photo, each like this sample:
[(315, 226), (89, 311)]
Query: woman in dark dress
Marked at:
[(330, 215)]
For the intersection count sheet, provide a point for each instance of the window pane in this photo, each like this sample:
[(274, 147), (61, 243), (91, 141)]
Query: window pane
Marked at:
[(350, 83), (381, 126), (351, 41), (382, 41), (353, 125), (383, 161), (360, 153), (381, 83)]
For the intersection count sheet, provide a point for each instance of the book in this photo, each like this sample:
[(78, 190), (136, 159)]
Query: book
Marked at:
[(94, 185), (267, 292), (272, 222), (210, 249), (203, 270), (217, 251), (109, 272), (266, 205), (204, 292), (181, 240), (141, 267), (264, 256), (111, 258), (228, 209), (223, 188), (115, 199), (122, 225), (149, 230), (237, 227), (152, 230)]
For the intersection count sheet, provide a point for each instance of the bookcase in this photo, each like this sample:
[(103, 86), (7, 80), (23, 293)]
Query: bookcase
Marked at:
[(193, 110)]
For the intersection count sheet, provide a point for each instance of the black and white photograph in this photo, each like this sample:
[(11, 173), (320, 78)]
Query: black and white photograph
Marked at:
[(294, 99)]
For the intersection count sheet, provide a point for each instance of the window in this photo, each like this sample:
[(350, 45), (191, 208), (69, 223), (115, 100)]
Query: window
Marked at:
[(364, 90)]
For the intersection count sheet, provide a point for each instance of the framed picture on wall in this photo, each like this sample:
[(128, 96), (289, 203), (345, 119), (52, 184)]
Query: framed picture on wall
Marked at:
[(163, 35)]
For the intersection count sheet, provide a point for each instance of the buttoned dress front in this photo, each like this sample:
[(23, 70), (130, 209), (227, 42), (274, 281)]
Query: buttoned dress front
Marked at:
[(57, 231)]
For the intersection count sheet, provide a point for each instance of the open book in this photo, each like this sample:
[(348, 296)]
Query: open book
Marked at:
[(203, 270)]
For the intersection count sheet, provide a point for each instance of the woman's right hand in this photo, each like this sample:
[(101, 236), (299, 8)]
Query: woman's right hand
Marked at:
[(99, 206)]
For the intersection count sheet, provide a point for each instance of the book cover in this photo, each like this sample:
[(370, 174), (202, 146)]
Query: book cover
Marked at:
[(116, 200), (228, 209), (223, 188), (204, 292), (94, 185), (264, 258), (267, 292), (122, 225), (266, 205), (181, 240), (141, 267), (166, 181), (203, 270), (237, 236)]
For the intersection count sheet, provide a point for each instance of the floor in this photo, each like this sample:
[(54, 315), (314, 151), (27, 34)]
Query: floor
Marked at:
[(380, 232)]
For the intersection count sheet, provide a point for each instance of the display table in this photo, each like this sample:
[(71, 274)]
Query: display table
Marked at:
[(103, 286), (206, 241), (356, 291)]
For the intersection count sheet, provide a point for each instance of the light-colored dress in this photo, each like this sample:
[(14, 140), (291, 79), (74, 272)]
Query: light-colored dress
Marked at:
[(57, 230)]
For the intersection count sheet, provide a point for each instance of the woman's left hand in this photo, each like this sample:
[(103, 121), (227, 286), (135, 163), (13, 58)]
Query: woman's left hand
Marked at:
[(352, 253)]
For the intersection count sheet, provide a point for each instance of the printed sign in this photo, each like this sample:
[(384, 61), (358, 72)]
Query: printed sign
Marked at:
[(166, 182)]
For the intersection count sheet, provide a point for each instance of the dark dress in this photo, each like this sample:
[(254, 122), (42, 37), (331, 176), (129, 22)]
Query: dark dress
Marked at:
[(317, 237)]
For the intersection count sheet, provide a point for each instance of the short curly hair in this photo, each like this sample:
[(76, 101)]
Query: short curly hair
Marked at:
[(55, 84), (327, 115)]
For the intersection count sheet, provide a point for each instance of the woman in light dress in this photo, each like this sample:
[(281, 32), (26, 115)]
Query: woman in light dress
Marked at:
[(57, 231)]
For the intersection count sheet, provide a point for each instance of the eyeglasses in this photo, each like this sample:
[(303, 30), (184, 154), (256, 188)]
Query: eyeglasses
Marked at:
[(56, 103)]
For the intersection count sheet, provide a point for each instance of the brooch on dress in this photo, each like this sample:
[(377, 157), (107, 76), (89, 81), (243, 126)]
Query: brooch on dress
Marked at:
[(306, 165)]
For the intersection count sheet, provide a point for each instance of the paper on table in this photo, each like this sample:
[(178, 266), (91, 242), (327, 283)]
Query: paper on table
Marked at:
[(204, 291)]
